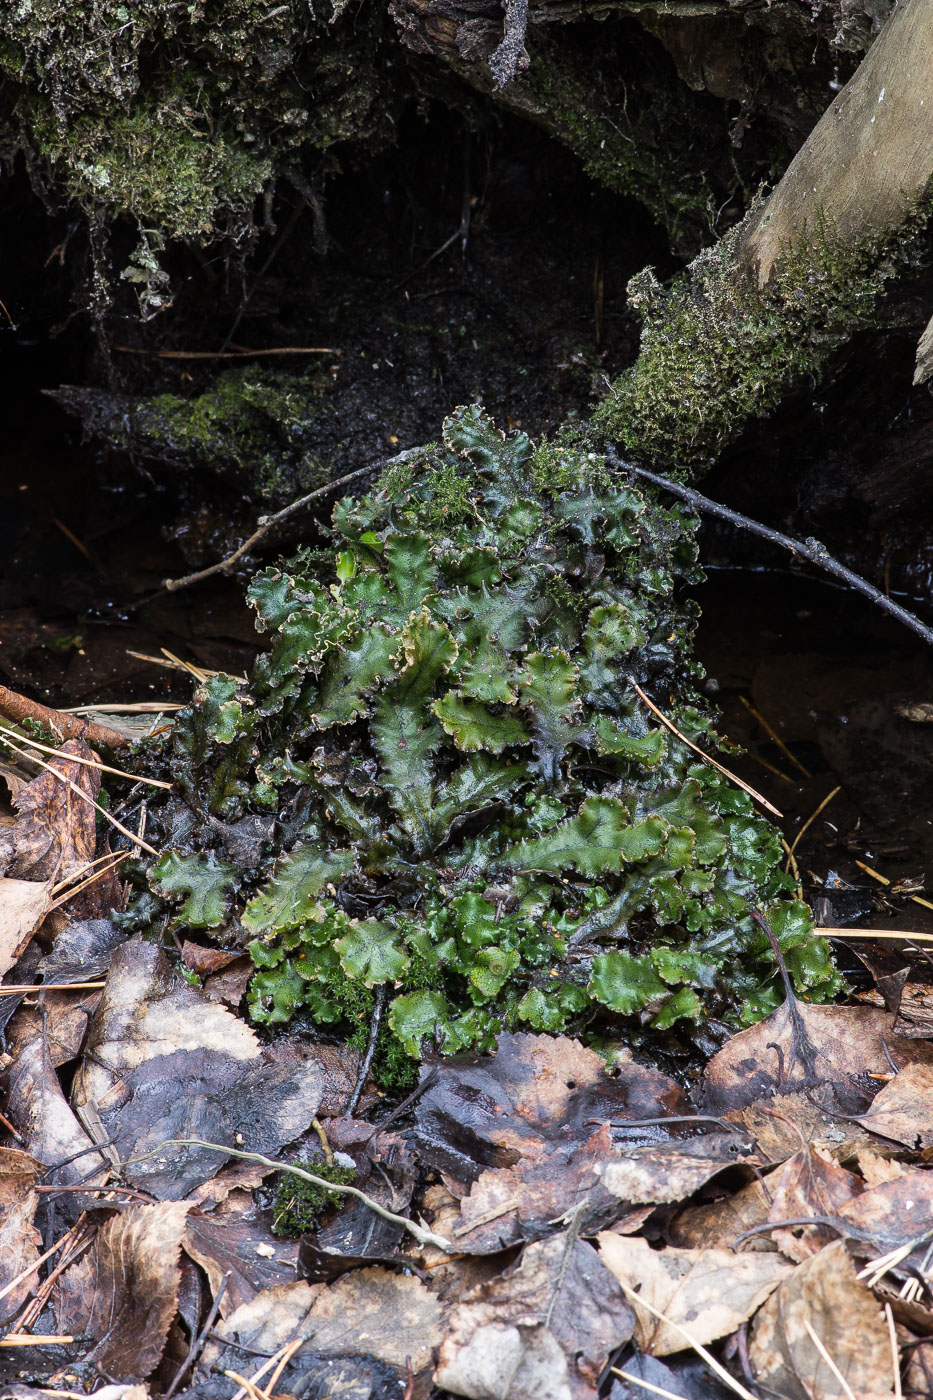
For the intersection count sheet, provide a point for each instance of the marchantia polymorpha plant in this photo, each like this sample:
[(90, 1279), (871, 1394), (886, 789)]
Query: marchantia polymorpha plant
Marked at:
[(439, 780)]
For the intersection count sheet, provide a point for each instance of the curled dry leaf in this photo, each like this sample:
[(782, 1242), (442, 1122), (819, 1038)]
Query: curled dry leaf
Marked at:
[(123, 1294), (19, 1239), (56, 831), (560, 1288), (710, 1292), (842, 1313)]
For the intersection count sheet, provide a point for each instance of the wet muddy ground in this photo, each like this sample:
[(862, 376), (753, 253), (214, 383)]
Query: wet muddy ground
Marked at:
[(528, 313)]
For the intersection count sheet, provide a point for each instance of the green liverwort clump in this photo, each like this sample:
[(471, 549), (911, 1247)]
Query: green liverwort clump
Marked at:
[(476, 817)]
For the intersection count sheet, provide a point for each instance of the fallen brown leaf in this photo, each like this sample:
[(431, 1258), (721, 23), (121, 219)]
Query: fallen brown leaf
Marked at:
[(810, 1183), (801, 1047), (514, 1135), (163, 1063), (56, 832), (232, 1242), (559, 1287), (373, 1312), (903, 1110), (710, 1292), (846, 1319), (23, 906), (123, 1294), (19, 1239)]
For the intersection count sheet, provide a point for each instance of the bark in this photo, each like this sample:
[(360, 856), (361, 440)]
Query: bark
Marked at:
[(778, 296)]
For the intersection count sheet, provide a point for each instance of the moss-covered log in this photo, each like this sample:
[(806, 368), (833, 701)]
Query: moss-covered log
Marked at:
[(773, 301)]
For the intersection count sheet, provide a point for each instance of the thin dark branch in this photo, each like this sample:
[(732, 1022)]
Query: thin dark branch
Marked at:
[(197, 1343), (266, 524), (810, 549), (367, 1061)]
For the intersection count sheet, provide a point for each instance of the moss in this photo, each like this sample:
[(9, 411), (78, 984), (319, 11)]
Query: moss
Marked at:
[(717, 351), (299, 1204), (259, 423), (179, 114), (649, 152)]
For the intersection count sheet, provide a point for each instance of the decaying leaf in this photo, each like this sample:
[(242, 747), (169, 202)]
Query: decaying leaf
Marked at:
[(56, 832), (23, 906), (123, 1293), (824, 1293), (19, 1239), (559, 1290), (38, 1108), (519, 1136), (163, 1063), (802, 1047), (371, 1311), (710, 1292), (673, 1171), (809, 1184), (903, 1110), (231, 1243)]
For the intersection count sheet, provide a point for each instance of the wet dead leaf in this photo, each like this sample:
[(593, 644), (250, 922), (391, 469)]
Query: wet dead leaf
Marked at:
[(123, 1294), (23, 906), (559, 1287), (502, 1362), (671, 1172), (233, 1242), (721, 1222), (371, 1311), (903, 1110), (809, 1184), (19, 1239), (56, 832), (799, 1048), (710, 1292), (842, 1313), (82, 951), (164, 1063), (520, 1136), (38, 1109)]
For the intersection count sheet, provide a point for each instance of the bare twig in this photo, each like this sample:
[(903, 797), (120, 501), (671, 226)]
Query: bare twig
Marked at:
[(746, 787), (17, 708), (810, 549), (367, 1060), (812, 818), (88, 762), (227, 354), (419, 1232), (266, 523)]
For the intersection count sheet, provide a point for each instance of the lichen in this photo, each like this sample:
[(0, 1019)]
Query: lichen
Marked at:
[(478, 818), (717, 350)]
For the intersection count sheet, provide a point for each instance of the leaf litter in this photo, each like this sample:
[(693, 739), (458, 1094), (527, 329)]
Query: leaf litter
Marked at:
[(538, 1221)]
